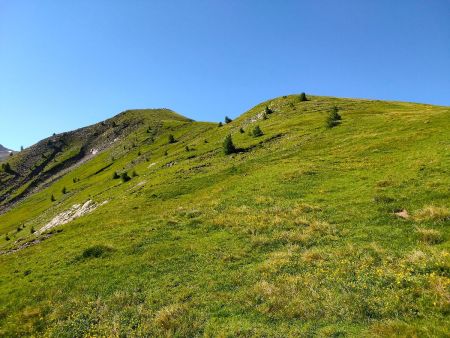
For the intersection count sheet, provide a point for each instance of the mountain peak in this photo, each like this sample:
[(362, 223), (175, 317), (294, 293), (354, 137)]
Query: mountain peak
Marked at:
[(4, 152)]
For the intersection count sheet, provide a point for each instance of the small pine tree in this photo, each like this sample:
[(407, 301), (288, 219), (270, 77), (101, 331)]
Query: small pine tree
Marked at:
[(333, 118), (206, 141), (125, 177), (241, 130), (166, 153), (265, 116), (139, 153), (228, 146), (115, 175), (171, 139), (257, 132), (7, 237), (32, 230), (220, 124), (21, 148), (303, 97), (134, 173), (227, 119), (187, 148), (52, 198), (64, 190), (267, 110)]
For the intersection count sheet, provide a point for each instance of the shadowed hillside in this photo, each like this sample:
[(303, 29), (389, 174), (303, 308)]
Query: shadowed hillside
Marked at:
[(328, 217)]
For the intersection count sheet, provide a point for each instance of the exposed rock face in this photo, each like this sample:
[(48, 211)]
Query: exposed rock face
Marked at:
[(77, 210)]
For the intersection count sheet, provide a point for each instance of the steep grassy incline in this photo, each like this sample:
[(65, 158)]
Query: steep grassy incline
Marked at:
[(305, 231)]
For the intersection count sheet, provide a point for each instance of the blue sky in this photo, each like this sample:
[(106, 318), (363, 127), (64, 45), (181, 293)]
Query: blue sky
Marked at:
[(66, 64)]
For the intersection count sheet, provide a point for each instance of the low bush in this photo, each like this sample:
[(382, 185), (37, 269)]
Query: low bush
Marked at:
[(96, 251)]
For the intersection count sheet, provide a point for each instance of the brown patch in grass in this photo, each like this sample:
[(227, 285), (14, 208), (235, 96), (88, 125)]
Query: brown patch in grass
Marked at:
[(402, 213)]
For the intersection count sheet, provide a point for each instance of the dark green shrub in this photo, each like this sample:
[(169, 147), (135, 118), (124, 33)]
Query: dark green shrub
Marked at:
[(187, 148), (303, 97), (227, 119), (115, 175), (220, 124), (241, 130), (125, 177), (7, 168), (257, 132), (228, 146), (64, 190), (52, 198), (7, 237), (96, 251), (171, 139), (134, 173), (32, 230), (268, 111)]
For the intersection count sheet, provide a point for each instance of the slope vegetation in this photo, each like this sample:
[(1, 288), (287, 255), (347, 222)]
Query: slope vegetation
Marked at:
[(305, 230)]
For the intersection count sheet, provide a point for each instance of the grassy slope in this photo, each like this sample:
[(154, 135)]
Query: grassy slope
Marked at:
[(295, 236)]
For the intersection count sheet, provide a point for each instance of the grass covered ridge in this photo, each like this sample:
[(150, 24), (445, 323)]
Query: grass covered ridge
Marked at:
[(295, 234)]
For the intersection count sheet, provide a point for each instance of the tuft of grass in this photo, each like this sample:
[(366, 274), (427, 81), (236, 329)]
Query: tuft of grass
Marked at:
[(429, 236), (168, 316), (432, 213)]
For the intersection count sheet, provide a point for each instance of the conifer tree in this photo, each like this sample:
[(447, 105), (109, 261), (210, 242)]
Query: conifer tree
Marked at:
[(257, 132), (228, 146)]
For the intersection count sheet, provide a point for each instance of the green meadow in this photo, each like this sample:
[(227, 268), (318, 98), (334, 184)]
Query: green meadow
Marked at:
[(303, 231)]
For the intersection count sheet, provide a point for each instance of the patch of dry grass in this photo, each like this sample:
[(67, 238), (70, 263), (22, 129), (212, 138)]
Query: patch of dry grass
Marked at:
[(432, 213)]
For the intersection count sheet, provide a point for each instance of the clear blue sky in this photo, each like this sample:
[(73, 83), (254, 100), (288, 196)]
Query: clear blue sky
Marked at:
[(66, 64)]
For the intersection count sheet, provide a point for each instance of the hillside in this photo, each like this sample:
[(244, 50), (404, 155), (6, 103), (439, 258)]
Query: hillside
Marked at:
[(304, 231)]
